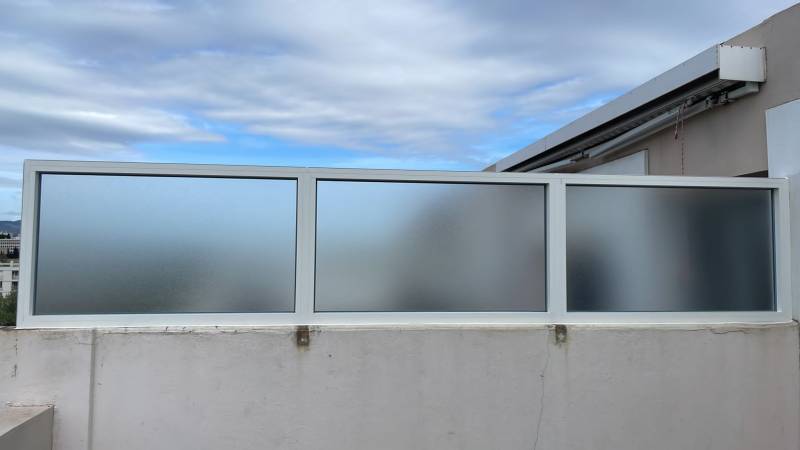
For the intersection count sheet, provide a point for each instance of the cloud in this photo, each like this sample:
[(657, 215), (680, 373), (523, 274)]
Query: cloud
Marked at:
[(8, 182), (48, 102), (396, 80)]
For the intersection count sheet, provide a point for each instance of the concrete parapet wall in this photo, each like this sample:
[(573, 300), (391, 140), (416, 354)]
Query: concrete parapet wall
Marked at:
[(583, 387)]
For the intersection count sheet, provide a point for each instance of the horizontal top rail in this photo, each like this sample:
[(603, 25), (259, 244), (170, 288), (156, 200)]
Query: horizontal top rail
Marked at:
[(223, 170)]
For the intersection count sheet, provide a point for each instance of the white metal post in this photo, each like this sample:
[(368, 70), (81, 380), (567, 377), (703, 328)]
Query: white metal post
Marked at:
[(783, 250), (556, 251), (306, 245)]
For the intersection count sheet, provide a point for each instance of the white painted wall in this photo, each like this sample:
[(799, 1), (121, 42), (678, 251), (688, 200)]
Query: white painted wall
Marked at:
[(783, 139), (783, 157), (471, 387)]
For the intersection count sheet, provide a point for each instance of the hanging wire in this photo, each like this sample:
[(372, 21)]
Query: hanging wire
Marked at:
[(680, 119)]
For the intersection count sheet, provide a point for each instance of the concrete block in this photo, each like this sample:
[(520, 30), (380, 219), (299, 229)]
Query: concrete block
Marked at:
[(26, 428)]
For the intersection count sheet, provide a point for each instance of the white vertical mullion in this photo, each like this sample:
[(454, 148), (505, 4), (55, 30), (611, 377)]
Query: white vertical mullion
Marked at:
[(556, 251), (784, 300), (306, 242), (27, 265)]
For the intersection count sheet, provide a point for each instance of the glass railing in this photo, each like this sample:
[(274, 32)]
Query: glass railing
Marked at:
[(148, 244)]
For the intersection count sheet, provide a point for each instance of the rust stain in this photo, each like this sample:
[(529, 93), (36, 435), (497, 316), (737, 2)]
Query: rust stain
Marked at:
[(302, 336), (560, 334)]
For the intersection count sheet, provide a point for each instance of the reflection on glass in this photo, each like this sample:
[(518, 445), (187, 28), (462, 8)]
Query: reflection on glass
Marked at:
[(385, 246), (142, 244), (669, 249)]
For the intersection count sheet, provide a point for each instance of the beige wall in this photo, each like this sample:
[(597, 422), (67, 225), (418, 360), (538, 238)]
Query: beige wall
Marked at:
[(731, 140)]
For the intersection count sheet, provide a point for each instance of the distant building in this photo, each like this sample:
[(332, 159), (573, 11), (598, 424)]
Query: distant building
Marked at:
[(8, 245), (9, 277)]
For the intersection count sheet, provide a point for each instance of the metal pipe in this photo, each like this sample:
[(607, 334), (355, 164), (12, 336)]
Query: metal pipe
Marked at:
[(653, 126)]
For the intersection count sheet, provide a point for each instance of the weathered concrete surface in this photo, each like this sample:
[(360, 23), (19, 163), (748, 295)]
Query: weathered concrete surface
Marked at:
[(679, 389), (26, 428), (50, 367), (445, 388)]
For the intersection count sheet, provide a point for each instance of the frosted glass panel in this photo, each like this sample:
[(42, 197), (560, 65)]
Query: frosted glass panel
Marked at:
[(669, 249), (384, 246), (142, 244)]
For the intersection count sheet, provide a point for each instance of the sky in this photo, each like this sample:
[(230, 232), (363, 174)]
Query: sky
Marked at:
[(416, 84)]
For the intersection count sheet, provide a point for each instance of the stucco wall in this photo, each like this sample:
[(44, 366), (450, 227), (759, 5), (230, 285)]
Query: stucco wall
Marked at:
[(731, 140), (394, 388)]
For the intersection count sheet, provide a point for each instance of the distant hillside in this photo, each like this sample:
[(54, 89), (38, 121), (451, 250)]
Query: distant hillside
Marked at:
[(10, 226)]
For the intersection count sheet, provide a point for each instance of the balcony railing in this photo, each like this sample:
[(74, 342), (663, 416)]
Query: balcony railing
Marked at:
[(116, 244)]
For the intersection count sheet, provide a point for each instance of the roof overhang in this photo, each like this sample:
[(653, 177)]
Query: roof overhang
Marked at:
[(713, 69)]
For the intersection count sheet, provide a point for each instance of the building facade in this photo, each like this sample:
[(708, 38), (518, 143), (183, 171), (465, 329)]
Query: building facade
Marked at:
[(9, 245), (9, 277), (707, 116)]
